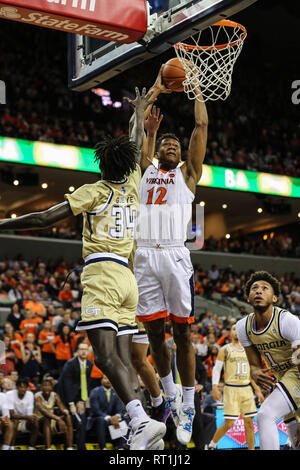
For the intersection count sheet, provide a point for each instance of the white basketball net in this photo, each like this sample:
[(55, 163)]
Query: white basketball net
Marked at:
[(208, 69)]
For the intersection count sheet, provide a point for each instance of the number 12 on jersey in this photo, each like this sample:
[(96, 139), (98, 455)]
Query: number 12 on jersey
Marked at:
[(159, 198)]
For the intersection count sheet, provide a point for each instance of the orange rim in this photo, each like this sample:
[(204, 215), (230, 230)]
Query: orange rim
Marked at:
[(228, 23)]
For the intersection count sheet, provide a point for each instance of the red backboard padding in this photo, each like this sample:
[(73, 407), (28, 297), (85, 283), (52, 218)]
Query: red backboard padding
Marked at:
[(114, 20)]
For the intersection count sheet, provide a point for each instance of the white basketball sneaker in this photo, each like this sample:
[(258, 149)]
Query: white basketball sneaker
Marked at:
[(146, 434), (160, 445), (185, 426), (175, 404)]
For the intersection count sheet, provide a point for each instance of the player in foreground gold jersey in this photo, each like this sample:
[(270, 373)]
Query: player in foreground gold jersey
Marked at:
[(238, 397), (110, 293), (271, 335)]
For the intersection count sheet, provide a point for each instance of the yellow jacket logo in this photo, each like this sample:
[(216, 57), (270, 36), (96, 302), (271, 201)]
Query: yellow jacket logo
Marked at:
[(93, 311)]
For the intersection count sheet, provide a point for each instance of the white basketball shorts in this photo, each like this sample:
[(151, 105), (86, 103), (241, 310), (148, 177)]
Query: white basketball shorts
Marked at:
[(165, 278)]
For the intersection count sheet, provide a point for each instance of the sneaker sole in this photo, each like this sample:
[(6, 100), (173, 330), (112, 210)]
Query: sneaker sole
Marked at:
[(160, 445), (182, 441), (153, 433)]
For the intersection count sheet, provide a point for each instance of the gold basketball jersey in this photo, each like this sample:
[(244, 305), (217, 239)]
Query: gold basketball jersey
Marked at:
[(274, 349), (48, 404), (236, 366), (109, 212)]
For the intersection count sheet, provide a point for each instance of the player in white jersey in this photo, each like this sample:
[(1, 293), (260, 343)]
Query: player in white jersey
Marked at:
[(162, 265), (271, 335), (6, 425), (20, 403)]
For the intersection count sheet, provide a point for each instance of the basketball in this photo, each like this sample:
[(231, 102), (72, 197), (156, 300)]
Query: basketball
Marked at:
[(173, 75)]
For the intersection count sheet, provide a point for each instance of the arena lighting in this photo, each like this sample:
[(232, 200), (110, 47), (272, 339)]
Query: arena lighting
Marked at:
[(13, 216), (259, 210), (71, 189), (44, 185), (82, 159), (224, 206), (227, 235), (16, 182), (202, 203)]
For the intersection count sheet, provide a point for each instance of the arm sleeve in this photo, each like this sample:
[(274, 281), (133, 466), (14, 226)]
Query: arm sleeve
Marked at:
[(81, 200), (216, 372), (289, 326), (241, 332)]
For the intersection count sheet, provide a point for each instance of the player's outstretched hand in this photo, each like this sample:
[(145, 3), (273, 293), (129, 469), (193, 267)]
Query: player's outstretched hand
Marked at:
[(153, 121), (159, 83), (141, 101)]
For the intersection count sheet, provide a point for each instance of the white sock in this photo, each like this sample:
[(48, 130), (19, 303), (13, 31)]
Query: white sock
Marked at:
[(188, 397), (156, 401), (69, 448), (135, 409), (5, 447), (12, 447), (31, 448), (213, 444), (168, 385)]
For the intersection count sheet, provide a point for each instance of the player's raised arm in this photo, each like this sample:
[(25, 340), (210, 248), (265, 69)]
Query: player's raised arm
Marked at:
[(152, 95), (38, 220), (197, 146), (152, 124), (136, 125)]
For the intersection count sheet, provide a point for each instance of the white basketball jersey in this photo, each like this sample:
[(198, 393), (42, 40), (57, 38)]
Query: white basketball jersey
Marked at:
[(165, 208)]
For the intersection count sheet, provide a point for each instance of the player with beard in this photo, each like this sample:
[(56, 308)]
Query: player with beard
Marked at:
[(271, 335)]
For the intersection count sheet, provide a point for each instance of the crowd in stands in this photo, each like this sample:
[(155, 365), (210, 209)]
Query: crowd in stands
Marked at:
[(41, 342), (254, 129), (283, 242)]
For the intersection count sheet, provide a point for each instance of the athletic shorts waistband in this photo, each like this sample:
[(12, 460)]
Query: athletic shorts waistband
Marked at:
[(237, 385), (157, 246), (97, 257)]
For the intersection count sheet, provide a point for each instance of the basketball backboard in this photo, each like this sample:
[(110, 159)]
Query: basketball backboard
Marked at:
[(92, 61)]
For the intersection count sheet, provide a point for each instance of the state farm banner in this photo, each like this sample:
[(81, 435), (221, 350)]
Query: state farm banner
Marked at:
[(122, 21)]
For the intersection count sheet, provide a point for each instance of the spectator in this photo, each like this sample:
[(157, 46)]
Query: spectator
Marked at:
[(7, 384), (15, 339), (208, 319), (213, 273), (15, 316), (31, 359), (45, 403), (20, 404), (210, 361), (7, 364), (30, 324), (74, 387), (36, 307), (66, 295), (61, 345), (45, 338), (106, 410)]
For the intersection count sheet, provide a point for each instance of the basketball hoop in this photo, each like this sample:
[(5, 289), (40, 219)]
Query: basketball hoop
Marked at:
[(208, 69)]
